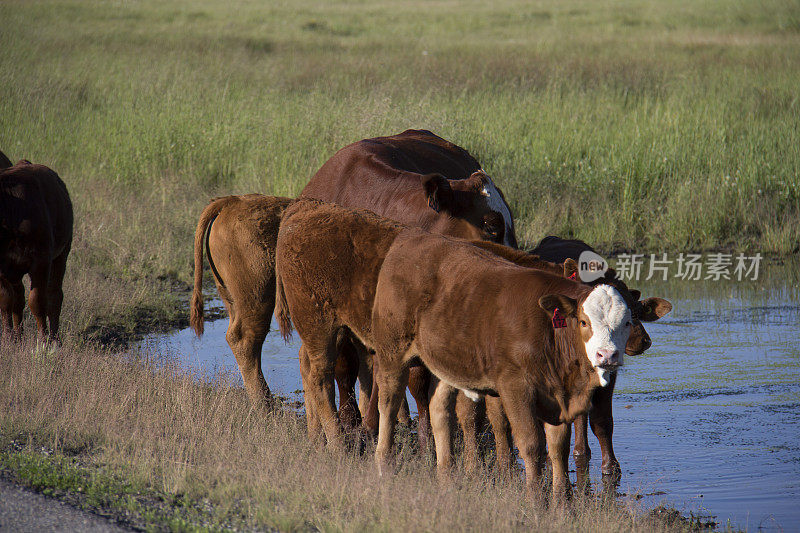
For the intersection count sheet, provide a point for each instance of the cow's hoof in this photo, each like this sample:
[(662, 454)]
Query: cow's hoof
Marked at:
[(611, 468)]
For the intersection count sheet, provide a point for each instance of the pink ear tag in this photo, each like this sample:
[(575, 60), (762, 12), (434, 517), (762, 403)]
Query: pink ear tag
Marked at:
[(558, 320), (573, 276)]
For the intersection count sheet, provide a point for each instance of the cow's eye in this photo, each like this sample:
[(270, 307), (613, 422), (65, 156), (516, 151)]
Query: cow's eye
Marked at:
[(583, 323), (628, 324)]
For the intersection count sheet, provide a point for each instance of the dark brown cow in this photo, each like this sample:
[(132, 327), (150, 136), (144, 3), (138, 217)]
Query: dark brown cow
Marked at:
[(239, 234), (419, 179), (600, 416), (35, 239)]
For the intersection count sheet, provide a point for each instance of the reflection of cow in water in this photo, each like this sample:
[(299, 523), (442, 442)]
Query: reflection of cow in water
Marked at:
[(35, 239)]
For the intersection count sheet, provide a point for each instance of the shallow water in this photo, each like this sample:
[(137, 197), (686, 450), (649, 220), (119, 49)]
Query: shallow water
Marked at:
[(707, 420)]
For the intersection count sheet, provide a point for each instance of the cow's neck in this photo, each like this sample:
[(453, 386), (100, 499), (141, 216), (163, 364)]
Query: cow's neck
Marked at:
[(574, 380)]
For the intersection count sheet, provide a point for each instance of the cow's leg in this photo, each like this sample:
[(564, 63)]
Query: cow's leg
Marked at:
[(245, 336), (404, 413), (312, 420), (502, 434), (320, 389), (467, 413), (602, 422), (391, 381), (443, 397), (7, 301), (17, 308), (518, 404), (581, 449), (581, 452), (558, 438), (419, 383), (371, 418), (55, 296), (37, 301), (364, 381), (346, 371)]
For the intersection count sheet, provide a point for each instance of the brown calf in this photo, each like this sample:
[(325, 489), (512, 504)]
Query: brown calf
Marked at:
[(35, 239), (486, 326), (239, 234), (600, 416), (327, 264)]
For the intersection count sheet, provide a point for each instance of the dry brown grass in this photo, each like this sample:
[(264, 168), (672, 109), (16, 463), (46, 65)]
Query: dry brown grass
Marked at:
[(197, 436)]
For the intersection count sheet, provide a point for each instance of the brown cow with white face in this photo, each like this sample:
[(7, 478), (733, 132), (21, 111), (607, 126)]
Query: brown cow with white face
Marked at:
[(473, 318), (560, 250), (486, 326)]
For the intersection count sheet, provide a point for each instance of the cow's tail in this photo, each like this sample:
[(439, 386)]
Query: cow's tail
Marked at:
[(207, 217), (281, 307)]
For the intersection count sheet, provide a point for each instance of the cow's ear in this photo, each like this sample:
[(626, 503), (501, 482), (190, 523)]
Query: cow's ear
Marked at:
[(636, 294), (654, 308), (476, 182), (610, 273), (565, 305), (437, 192), (571, 269)]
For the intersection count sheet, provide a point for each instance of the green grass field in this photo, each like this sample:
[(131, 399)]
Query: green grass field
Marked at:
[(654, 126), (628, 124)]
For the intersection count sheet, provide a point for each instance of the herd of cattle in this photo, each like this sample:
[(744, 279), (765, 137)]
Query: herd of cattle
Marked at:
[(398, 267)]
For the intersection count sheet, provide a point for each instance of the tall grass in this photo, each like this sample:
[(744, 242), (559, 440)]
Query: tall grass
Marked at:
[(199, 443), (625, 123)]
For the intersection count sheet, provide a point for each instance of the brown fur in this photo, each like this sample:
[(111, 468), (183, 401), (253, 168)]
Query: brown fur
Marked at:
[(327, 263), (419, 179), (239, 235), (414, 177), (475, 321), (600, 416), (35, 238)]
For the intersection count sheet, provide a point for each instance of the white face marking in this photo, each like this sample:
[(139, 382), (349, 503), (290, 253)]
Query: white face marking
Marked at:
[(610, 319), (496, 203)]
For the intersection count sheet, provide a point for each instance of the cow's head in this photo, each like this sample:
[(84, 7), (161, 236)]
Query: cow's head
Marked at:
[(648, 310), (474, 208), (603, 322)]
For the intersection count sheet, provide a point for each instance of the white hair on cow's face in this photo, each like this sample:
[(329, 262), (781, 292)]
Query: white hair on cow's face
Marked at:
[(496, 203), (610, 319)]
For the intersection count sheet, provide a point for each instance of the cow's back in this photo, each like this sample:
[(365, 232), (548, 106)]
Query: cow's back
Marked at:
[(384, 174), (37, 193), (328, 259)]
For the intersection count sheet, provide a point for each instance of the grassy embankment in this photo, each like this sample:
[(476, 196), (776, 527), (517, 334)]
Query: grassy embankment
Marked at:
[(144, 442), (627, 124)]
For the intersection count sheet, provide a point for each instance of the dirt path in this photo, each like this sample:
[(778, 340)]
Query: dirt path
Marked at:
[(24, 511)]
